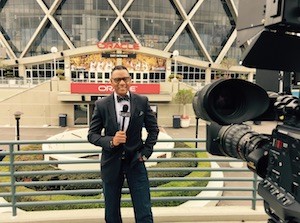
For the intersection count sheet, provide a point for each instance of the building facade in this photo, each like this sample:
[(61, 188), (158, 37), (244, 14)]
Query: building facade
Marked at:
[(80, 41)]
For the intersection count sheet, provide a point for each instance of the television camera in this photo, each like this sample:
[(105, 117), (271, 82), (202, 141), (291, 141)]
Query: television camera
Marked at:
[(226, 104), (269, 40)]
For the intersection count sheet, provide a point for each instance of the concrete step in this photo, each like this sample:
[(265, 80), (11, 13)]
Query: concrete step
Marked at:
[(224, 214)]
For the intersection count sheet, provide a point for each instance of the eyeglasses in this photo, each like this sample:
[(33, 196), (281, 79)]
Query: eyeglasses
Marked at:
[(119, 79)]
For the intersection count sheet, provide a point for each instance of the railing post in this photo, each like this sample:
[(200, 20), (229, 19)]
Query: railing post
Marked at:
[(254, 192), (12, 179)]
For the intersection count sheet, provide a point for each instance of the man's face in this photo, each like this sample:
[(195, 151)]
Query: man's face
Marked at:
[(120, 81)]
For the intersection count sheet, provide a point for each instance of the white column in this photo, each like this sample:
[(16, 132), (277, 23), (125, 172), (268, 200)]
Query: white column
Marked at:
[(208, 76), (53, 51), (175, 55), (250, 77), (22, 68), (67, 68)]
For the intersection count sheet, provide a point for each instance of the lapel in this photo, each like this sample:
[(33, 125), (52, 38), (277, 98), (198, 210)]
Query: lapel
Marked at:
[(112, 111), (132, 108)]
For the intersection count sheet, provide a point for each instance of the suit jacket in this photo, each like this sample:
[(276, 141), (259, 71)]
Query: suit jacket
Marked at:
[(103, 127)]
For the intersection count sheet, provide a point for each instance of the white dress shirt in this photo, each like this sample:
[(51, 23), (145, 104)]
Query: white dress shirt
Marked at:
[(119, 108)]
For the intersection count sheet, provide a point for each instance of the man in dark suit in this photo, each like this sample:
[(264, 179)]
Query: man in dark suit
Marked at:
[(116, 126)]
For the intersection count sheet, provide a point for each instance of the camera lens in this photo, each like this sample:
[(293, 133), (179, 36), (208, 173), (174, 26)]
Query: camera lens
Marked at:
[(239, 141), (226, 103), (230, 137)]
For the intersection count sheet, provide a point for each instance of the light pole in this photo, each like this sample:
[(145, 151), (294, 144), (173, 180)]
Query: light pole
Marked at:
[(54, 50), (175, 55), (18, 117)]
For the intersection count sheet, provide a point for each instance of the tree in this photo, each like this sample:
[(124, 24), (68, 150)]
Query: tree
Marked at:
[(184, 97), (60, 74), (178, 76), (227, 63)]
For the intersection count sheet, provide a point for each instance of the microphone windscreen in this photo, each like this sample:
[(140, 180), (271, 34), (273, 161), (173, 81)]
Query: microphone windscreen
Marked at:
[(125, 108)]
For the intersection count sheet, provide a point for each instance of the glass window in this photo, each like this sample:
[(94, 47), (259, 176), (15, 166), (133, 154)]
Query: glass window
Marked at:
[(81, 114), (45, 71)]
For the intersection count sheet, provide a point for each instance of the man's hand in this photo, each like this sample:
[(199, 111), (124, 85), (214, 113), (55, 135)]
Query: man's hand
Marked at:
[(142, 158), (119, 138)]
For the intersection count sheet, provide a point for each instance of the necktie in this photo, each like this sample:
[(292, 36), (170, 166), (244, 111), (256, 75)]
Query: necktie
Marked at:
[(123, 98)]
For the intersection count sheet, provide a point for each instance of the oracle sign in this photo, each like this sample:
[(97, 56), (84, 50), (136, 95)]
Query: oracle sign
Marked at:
[(118, 46), (97, 88)]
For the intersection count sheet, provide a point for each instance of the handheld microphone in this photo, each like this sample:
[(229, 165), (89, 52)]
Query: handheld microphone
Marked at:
[(124, 114)]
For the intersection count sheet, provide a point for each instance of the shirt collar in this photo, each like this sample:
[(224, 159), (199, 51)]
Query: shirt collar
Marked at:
[(115, 95)]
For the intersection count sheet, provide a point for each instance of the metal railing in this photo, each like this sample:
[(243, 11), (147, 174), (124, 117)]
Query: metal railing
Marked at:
[(14, 190), (21, 82)]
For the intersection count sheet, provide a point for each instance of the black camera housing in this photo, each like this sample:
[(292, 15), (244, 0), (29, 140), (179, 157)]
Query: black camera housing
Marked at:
[(275, 157), (268, 34)]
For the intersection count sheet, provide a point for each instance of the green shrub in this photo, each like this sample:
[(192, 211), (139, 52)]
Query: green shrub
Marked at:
[(50, 177)]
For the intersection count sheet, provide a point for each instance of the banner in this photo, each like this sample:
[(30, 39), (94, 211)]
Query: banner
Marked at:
[(144, 63), (104, 62), (98, 88), (93, 63)]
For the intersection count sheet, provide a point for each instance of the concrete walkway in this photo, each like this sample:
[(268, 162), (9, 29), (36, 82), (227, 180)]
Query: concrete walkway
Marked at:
[(229, 214)]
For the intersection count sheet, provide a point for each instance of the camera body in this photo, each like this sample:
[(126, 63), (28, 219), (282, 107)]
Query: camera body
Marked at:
[(268, 35), (275, 157), (281, 186)]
